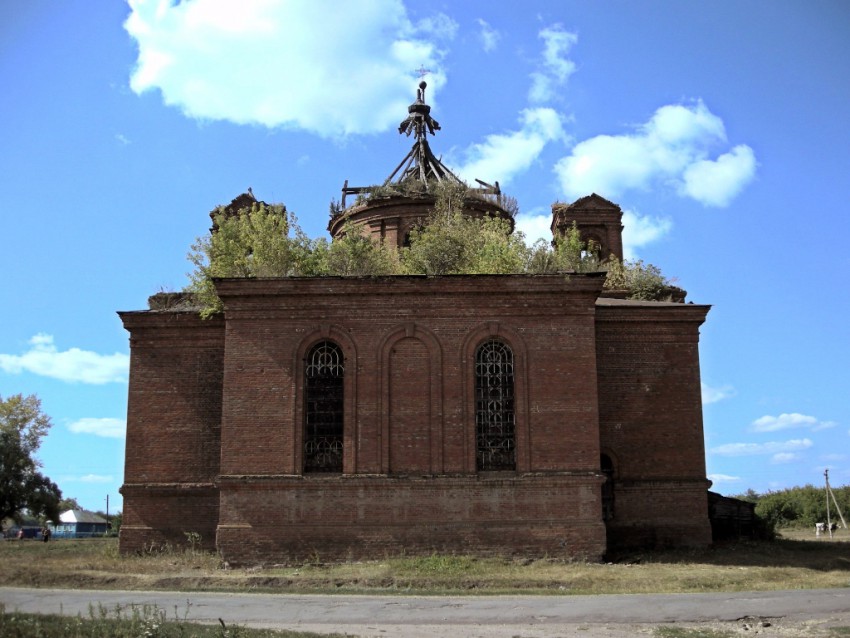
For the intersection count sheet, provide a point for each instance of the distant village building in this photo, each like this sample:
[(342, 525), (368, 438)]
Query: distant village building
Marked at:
[(79, 524), (364, 416)]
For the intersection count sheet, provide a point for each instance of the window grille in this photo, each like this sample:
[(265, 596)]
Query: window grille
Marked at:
[(494, 407), (324, 370)]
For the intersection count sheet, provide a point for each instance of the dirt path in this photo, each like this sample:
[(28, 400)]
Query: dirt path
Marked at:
[(785, 613)]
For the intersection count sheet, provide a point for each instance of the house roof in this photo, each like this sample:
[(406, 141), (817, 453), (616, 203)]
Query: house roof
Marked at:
[(80, 516)]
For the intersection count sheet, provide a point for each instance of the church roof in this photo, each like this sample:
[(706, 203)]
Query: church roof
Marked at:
[(420, 164), (592, 201)]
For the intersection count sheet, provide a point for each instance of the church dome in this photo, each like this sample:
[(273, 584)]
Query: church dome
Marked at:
[(390, 210)]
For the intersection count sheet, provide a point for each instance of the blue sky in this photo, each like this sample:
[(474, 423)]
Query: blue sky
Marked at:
[(721, 128)]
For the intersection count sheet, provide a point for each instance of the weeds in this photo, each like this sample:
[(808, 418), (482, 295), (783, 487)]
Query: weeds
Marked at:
[(745, 566), (146, 621)]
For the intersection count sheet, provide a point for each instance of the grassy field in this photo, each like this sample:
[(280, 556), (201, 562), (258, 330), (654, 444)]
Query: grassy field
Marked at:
[(797, 560), (144, 622)]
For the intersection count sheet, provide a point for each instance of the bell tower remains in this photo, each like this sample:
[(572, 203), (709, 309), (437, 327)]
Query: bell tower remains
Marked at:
[(598, 220)]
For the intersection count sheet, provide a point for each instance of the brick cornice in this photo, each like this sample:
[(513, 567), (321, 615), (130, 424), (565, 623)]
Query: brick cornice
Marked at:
[(649, 311)]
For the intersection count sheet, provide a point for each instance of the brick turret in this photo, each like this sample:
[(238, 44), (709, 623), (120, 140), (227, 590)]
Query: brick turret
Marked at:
[(596, 218)]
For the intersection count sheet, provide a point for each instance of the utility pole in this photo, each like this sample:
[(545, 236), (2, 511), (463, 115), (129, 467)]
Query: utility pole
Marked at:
[(828, 521), (829, 493), (107, 514)]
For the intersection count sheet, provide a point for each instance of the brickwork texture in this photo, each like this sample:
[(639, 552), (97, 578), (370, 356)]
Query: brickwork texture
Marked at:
[(216, 420)]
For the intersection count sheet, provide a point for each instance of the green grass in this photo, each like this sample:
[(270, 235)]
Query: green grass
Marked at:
[(139, 622), (745, 566)]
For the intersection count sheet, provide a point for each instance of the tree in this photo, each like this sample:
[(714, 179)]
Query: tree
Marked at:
[(255, 242), (69, 503), (643, 281), (353, 253), (114, 519), (452, 243), (22, 485), (568, 253), (266, 241)]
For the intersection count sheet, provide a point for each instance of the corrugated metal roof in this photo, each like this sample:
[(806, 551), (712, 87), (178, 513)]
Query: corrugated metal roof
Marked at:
[(80, 516)]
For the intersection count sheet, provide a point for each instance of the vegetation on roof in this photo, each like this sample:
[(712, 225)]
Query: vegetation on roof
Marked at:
[(267, 241), (432, 188)]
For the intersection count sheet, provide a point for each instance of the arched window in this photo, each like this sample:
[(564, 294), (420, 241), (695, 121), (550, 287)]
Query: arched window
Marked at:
[(495, 426), (324, 368)]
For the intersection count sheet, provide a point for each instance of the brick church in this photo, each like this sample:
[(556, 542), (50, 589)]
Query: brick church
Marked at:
[(351, 417)]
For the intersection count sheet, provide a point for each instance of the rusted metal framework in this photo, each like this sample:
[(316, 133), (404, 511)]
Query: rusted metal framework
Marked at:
[(324, 371), (494, 407), (420, 164)]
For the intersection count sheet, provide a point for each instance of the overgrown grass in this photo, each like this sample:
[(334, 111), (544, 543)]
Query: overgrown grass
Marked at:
[(138, 622), (96, 563)]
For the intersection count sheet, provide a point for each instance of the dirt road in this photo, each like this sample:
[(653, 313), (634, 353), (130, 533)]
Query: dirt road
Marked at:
[(784, 613)]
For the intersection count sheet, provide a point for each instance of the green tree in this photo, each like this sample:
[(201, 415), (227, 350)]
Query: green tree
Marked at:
[(115, 519), (451, 243), (495, 249), (801, 506), (69, 503), (643, 281), (750, 496), (266, 241), (573, 254), (252, 243), (353, 253), (22, 485)]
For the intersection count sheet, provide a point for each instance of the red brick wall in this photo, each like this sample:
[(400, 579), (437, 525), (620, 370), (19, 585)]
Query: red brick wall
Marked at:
[(285, 519), (409, 414), (650, 420), (409, 345), (173, 428), (160, 516), (215, 420)]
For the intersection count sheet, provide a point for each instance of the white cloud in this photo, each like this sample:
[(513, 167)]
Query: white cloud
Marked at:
[(773, 447), (714, 394), (718, 182), (557, 67), (123, 139), (331, 68), (672, 149), (723, 478), (640, 230), (72, 365), (784, 421), (784, 457), (109, 428), (439, 26), (502, 156), (488, 35), (534, 225)]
